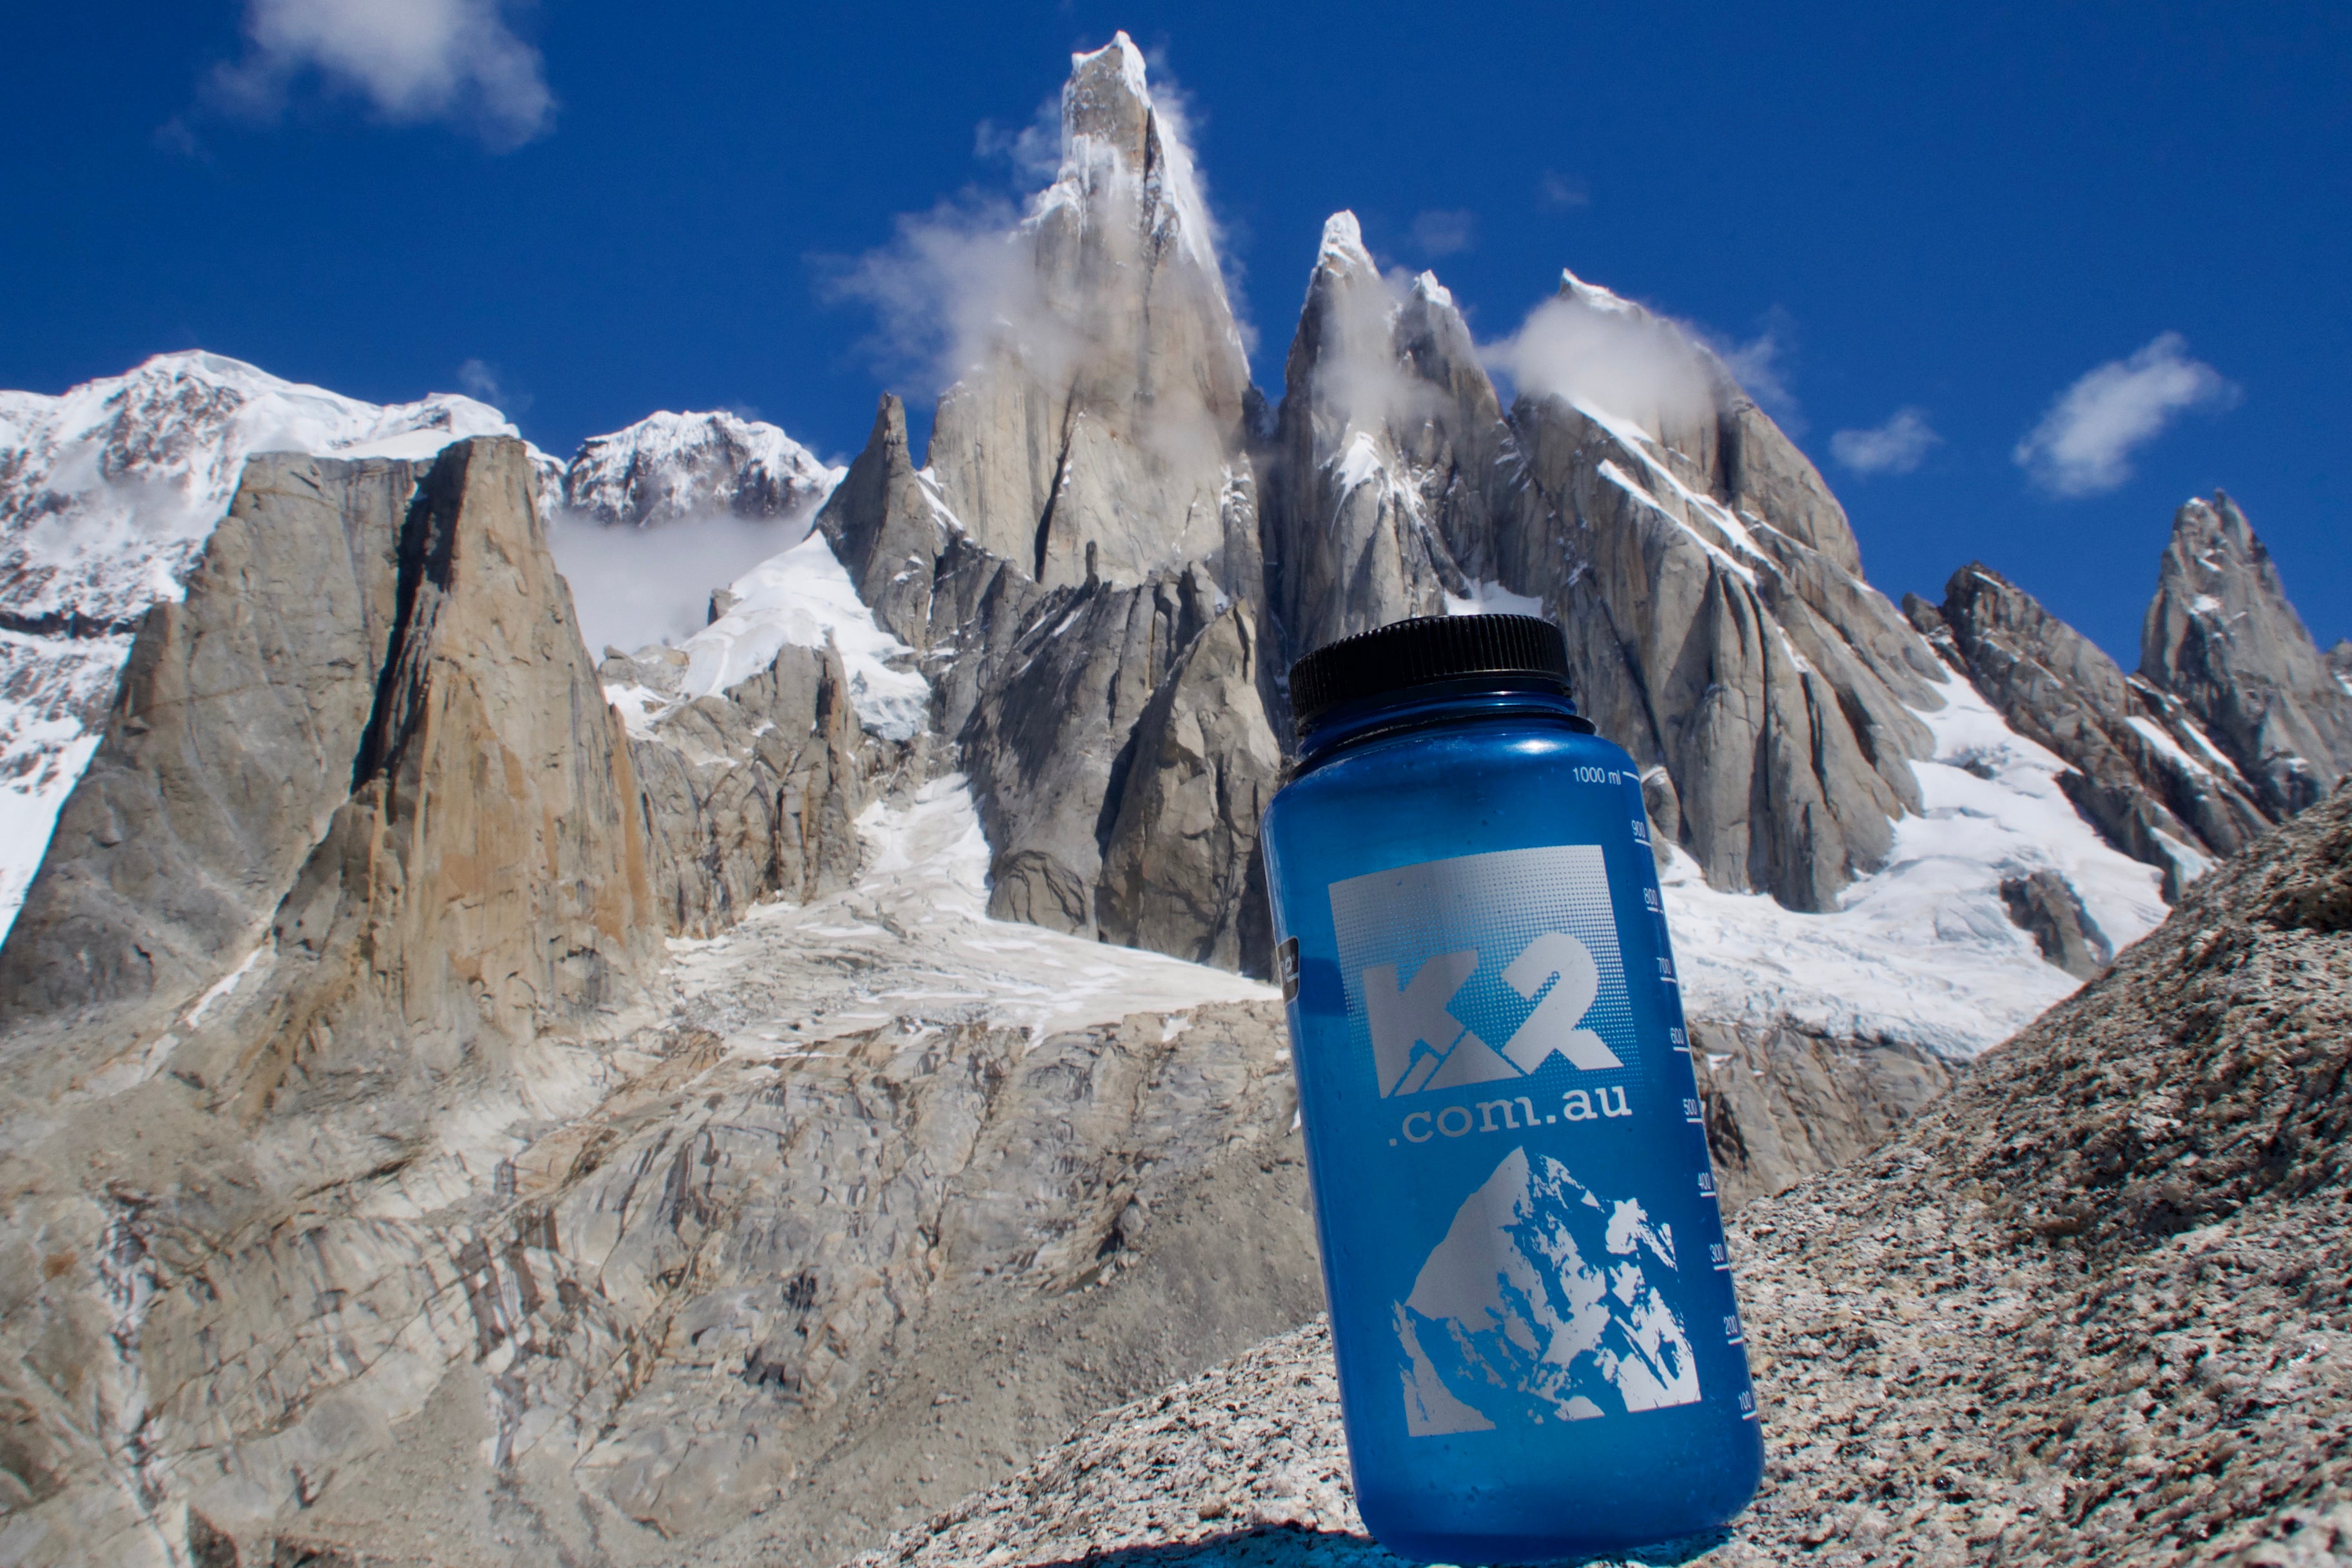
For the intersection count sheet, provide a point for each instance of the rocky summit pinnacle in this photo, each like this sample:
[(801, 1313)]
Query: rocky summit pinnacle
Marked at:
[(2222, 634), (1097, 430)]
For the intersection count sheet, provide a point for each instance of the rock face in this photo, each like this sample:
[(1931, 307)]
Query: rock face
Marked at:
[(107, 496), (175, 850), (888, 530), (1386, 447), (402, 866), (1718, 627), (1782, 1104), (1101, 434), (1181, 872), (2093, 1306), (485, 883), (667, 466), (1080, 557), (2145, 772), (2233, 720), (749, 794), (2222, 636)]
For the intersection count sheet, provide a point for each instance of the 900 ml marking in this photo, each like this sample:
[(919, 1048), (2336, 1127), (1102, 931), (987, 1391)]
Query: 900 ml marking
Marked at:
[(1510, 1115)]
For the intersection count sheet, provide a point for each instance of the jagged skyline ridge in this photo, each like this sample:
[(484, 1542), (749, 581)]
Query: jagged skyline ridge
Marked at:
[(1976, 296)]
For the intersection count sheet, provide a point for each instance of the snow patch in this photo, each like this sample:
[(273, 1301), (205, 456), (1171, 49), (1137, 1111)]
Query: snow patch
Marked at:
[(1486, 598), (1922, 950), (910, 943), (802, 597)]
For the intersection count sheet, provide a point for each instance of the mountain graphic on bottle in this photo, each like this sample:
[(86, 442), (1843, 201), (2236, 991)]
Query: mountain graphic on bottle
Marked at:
[(1538, 1306)]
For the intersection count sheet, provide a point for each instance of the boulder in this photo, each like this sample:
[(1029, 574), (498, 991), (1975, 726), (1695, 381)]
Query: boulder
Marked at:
[(2045, 906)]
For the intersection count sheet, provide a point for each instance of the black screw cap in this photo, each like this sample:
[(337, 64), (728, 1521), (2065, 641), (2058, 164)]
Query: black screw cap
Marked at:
[(1423, 651)]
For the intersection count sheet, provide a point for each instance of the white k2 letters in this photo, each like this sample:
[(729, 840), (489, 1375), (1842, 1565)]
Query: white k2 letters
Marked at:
[(1418, 1044)]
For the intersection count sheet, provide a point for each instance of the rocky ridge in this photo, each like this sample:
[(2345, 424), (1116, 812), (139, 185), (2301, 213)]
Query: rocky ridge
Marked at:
[(107, 496), (667, 467), (2234, 719), (438, 1154), (2090, 1307), (449, 1165)]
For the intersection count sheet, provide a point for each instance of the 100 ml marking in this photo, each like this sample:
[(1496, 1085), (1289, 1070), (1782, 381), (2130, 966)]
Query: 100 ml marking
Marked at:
[(1510, 1115)]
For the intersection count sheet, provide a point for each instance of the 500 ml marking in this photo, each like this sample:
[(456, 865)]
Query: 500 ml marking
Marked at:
[(1514, 1113)]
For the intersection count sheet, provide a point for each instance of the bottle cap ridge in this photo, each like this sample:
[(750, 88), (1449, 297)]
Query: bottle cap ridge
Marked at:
[(1423, 650)]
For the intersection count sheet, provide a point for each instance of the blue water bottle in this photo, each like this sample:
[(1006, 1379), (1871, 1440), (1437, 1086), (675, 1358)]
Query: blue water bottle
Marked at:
[(1540, 1353)]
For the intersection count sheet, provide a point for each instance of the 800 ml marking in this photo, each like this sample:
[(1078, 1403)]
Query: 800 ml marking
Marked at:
[(1510, 1115)]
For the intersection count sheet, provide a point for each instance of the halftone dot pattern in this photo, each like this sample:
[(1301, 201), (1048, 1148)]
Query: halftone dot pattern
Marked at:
[(1496, 903)]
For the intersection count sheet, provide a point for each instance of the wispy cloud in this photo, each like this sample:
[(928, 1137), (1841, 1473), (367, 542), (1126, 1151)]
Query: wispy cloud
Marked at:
[(1623, 360), (414, 62), (1760, 365), (480, 379), (963, 281), (2084, 445), (1590, 346), (1034, 151), (1561, 192), (1897, 447), (1445, 232)]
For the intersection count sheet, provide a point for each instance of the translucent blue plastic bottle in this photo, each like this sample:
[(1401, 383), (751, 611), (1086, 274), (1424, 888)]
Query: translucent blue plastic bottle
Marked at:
[(1540, 1353)]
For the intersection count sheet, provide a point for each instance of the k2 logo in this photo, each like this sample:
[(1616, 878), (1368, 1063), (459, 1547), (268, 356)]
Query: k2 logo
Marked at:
[(1418, 1044)]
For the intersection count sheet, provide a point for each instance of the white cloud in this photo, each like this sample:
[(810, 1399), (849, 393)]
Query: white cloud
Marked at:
[(413, 60), (1594, 348), (1034, 151), (1560, 190), (952, 282), (962, 282), (1756, 364), (631, 587), (2084, 445), (1444, 233), (1897, 447), (1619, 360)]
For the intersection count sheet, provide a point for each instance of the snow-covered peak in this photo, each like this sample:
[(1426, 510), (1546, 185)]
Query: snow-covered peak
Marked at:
[(108, 490), (1592, 296), (799, 597), (669, 467), (108, 493), (1426, 286), (1113, 130), (1343, 245), (1120, 55)]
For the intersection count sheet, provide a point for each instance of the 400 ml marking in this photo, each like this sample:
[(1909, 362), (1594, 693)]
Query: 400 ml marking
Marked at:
[(1517, 1114)]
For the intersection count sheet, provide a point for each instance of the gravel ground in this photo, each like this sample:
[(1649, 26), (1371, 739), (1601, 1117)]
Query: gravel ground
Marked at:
[(2094, 1307)]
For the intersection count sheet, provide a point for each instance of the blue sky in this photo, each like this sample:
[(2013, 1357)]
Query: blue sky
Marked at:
[(1960, 210)]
